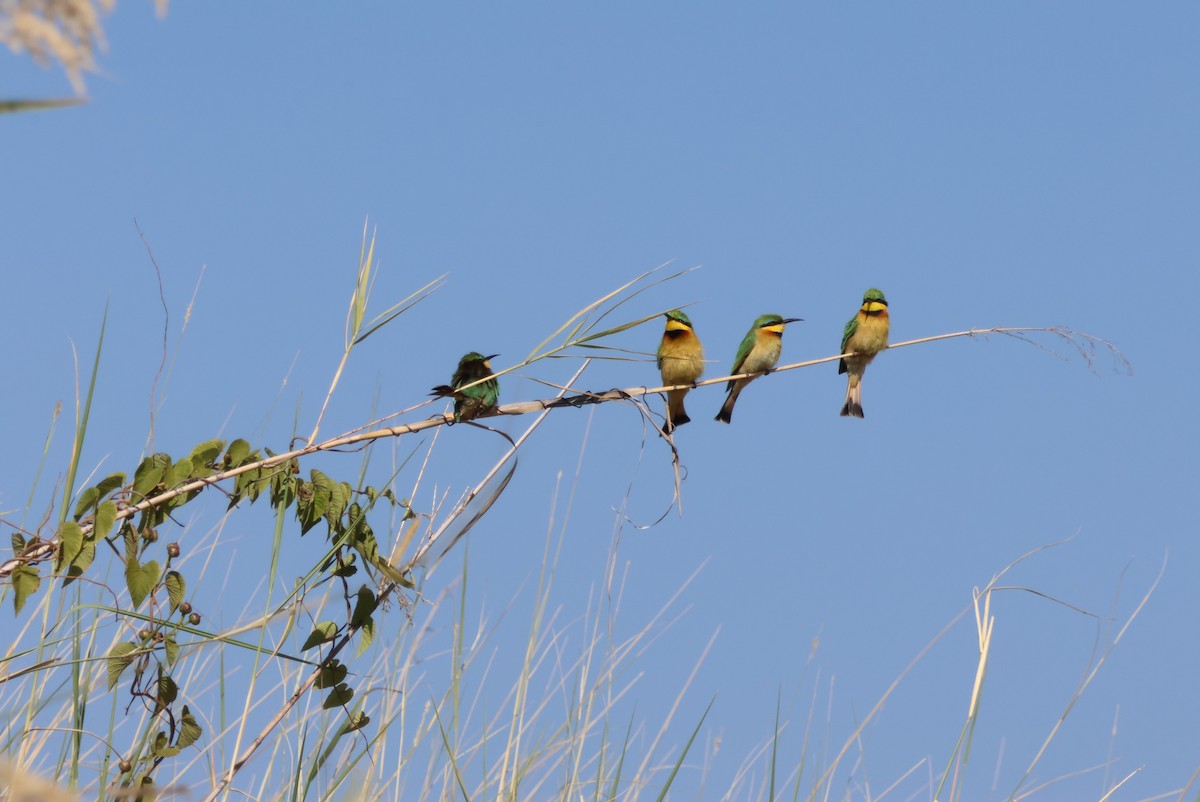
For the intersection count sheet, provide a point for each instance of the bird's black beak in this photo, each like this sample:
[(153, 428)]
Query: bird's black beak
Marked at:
[(490, 358), (793, 320)]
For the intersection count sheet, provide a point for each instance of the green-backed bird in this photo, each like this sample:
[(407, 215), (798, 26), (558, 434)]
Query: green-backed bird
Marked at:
[(478, 399), (758, 352), (681, 361), (866, 335)]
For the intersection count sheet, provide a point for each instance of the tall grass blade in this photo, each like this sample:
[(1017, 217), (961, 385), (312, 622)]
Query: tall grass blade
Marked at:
[(13, 106), (81, 422), (462, 786), (675, 769)]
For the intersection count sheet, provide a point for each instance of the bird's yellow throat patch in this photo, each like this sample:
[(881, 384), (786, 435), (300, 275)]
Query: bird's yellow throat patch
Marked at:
[(874, 307), (774, 329), (676, 325)]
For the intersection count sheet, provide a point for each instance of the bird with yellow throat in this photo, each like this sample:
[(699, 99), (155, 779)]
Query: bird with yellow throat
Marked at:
[(866, 335), (680, 361), (758, 352)]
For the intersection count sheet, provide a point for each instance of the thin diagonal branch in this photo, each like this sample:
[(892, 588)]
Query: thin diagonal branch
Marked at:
[(1085, 345)]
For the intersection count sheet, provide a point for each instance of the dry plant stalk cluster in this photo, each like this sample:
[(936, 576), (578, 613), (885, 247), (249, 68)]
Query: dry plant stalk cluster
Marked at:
[(66, 31)]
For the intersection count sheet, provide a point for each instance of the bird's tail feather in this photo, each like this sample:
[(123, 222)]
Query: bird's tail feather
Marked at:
[(853, 406), (726, 413), (676, 414)]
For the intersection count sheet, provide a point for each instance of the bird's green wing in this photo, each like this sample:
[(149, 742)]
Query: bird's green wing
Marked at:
[(851, 327), (743, 351)]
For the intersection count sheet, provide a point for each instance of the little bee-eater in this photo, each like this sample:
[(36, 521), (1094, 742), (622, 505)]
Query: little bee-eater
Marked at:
[(478, 399), (866, 335), (758, 352), (681, 361)]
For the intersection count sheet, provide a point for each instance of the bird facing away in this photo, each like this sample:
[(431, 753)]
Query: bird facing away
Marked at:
[(866, 335), (478, 399), (758, 352), (681, 361)]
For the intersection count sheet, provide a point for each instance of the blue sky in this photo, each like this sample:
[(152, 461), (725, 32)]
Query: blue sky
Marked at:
[(1027, 164)]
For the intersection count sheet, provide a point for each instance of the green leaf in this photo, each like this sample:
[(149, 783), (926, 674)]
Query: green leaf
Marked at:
[(249, 485), (171, 648), (358, 719), (110, 483), (166, 691), (366, 544), (25, 581), (238, 451), (148, 474), (322, 633), (339, 497), (284, 483), (180, 472), (374, 495), (366, 635), (204, 458), (345, 566), (119, 659), (364, 605), (162, 746), (152, 517), (140, 579), (321, 482), (89, 497), (18, 543), (331, 675), (106, 517), (86, 499), (392, 573), (311, 502), (82, 561), (130, 536), (189, 729), (339, 696), (320, 479), (176, 587), (70, 541)]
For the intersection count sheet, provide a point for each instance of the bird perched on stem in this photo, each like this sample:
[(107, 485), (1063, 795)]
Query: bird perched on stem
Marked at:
[(866, 335), (758, 352), (474, 400), (681, 361)]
